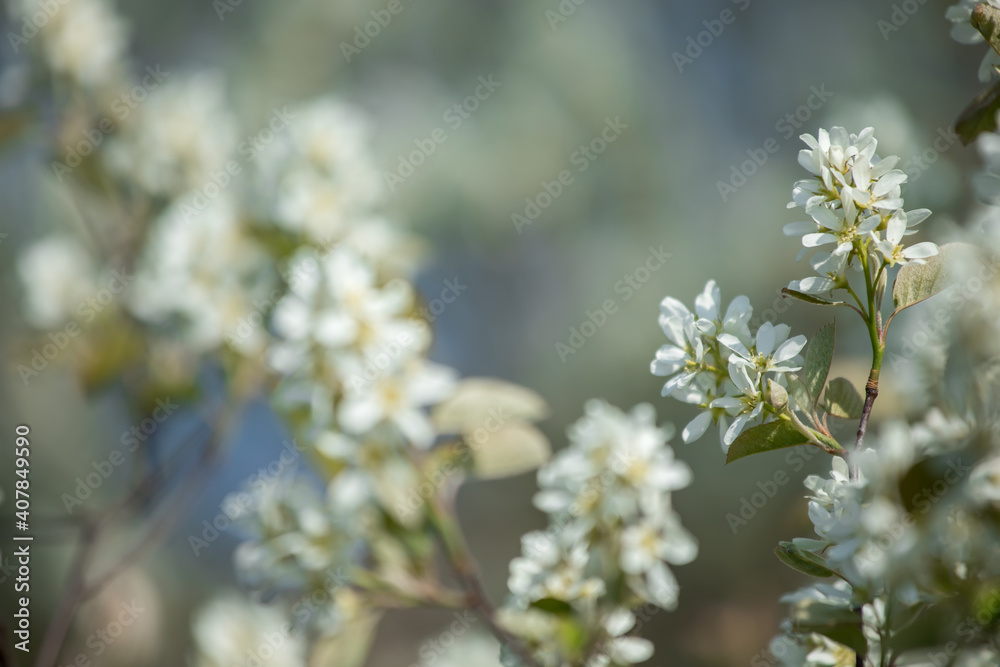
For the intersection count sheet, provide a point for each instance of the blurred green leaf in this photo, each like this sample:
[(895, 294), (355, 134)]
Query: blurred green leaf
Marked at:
[(980, 116)]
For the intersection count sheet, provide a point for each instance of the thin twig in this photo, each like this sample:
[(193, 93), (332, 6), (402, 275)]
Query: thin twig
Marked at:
[(80, 590)]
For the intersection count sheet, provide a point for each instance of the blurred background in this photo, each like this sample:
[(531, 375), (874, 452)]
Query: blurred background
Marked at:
[(707, 99)]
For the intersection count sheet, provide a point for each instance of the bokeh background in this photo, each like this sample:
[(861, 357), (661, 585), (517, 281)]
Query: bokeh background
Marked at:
[(656, 186)]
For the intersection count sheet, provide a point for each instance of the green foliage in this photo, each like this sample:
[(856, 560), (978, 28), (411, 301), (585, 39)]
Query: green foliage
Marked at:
[(819, 356), (843, 400), (765, 438)]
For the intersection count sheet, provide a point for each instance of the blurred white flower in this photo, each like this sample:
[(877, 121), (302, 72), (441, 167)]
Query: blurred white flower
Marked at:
[(398, 398), (205, 276), (231, 630), (84, 40), (58, 275), (178, 140)]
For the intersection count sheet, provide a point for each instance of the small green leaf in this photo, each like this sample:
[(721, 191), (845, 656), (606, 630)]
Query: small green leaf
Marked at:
[(778, 395), (916, 282), (765, 438), (809, 298), (826, 440), (802, 560), (843, 400), (798, 392), (553, 606), (819, 356), (980, 116)]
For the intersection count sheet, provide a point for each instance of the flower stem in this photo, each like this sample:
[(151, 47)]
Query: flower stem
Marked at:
[(446, 524)]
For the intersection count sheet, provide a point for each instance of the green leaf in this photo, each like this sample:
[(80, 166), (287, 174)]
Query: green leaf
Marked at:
[(765, 438), (799, 559), (798, 392), (778, 395), (840, 624), (986, 19), (843, 400), (553, 606), (916, 282), (980, 116), (827, 440), (809, 298), (819, 356)]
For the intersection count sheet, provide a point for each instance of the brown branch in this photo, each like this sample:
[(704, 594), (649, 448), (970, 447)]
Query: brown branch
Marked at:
[(79, 590)]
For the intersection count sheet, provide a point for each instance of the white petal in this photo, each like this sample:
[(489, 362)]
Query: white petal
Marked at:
[(696, 427), (921, 250)]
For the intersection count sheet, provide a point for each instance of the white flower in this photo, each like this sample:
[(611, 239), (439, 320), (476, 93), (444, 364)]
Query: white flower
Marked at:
[(59, 276), (892, 248), (232, 630), (552, 567), (398, 398), (852, 190), (606, 440), (619, 648), (614, 483), (205, 276), (831, 268), (773, 351), (177, 139), (318, 176), (745, 398), (336, 313), (82, 39)]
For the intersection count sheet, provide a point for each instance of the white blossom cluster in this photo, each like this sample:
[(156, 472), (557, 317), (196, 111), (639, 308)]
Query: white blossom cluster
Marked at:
[(608, 496), (963, 31), (853, 200), (83, 41), (916, 525), (714, 361)]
